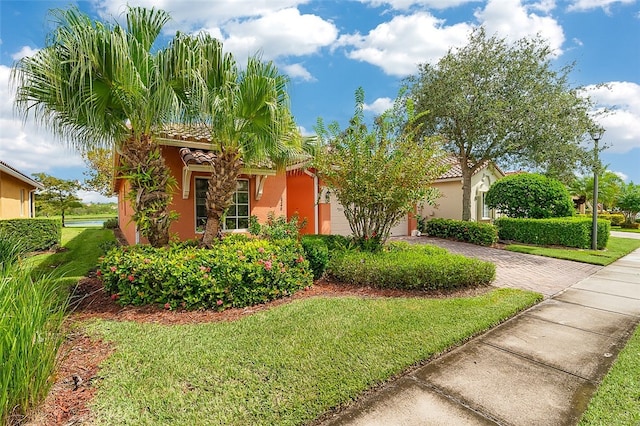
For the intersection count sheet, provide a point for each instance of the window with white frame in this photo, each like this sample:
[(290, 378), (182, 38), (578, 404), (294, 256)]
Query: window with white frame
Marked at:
[(486, 213), (237, 215)]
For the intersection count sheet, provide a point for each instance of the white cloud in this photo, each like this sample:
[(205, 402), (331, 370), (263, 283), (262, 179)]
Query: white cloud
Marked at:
[(379, 106), (28, 147), (584, 5), (407, 4), (399, 45), (621, 175), (622, 122), (24, 52), (512, 20), (298, 71), (281, 33), (95, 197)]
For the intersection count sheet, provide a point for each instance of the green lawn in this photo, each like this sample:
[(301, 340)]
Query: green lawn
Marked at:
[(616, 248), (287, 365), (81, 249), (617, 400), (617, 228)]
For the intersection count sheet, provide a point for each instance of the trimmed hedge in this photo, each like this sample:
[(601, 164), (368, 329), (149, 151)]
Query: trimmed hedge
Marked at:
[(34, 233), (616, 219), (418, 267), (236, 272), (483, 234), (567, 232)]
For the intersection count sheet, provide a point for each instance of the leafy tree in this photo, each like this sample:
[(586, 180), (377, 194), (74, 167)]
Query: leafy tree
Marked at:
[(529, 195), (629, 202), (99, 176), (609, 187), (492, 100), (246, 111), (58, 195), (103, 85), (377, 175)]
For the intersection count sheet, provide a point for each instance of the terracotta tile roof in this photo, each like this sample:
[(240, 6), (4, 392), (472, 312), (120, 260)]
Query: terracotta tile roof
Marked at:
[(18, 174), (182, 132), (197, 156), (456, 170)]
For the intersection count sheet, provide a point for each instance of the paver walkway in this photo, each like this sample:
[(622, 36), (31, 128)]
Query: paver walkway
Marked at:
[(518, 270), (539, 368)]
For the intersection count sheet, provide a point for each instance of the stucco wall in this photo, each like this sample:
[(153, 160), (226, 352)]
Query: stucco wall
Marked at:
[(14, 197), (300, 199), (449, 205)]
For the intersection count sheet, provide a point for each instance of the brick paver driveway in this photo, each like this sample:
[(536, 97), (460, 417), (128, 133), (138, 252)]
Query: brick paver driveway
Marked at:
[(518, 270)]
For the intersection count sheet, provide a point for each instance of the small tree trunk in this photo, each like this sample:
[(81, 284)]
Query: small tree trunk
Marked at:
[(466, 190), (222, 185)]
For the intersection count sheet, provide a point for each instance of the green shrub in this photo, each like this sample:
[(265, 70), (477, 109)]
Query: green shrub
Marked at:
[(567, 232), (483, 234), (632, 225), (236, 272), (317, 253), (530, 195), (111, 223), (32, 311), (416, 267), (616, 219), (276, 227), (34, 233)]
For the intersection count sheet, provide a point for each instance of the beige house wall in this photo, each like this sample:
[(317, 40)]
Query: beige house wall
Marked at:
[(15, 197), (449, 205)]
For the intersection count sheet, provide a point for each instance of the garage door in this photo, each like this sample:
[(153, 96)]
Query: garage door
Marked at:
[(340, 226)]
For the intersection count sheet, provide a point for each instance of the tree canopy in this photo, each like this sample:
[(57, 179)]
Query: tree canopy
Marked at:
[(377, 175), (99, 175), (58, 195), (504, 102), (629, 203)]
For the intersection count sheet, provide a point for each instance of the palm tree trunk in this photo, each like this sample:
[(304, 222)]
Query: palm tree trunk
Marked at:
[(222, 185), (151, 186)]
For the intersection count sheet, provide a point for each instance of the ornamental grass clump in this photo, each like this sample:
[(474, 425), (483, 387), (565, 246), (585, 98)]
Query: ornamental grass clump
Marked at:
[(410, 267), (32, 311), (236, 272)]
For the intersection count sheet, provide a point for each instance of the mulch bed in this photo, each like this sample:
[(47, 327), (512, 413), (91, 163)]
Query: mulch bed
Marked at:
[(78, 371)]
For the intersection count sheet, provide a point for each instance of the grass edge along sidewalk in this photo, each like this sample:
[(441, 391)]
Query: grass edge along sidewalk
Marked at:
[(616, 248)]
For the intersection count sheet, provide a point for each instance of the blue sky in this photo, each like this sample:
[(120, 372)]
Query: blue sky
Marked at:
[(330, 48)]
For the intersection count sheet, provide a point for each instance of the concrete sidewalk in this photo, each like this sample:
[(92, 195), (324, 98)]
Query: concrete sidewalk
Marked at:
[(539, 368)]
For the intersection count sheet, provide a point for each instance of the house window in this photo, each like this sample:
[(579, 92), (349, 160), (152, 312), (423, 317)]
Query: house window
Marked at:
[(237, 215), (486, 214)]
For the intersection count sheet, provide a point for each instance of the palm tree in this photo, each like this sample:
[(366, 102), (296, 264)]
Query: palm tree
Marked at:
[(100, 85), (247, 114)]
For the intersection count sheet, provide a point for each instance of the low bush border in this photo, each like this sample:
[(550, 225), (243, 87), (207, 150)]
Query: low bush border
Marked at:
[(483, 234)]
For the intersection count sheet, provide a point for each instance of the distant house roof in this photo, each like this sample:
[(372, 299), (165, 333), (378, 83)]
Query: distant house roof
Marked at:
[(4, 167), (455, 172)]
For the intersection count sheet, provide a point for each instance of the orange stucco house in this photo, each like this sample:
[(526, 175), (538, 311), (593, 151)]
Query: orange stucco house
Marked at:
[(17, 192), (260, 191)]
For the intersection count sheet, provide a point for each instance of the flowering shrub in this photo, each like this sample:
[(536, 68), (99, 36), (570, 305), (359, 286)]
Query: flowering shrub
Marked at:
[(276, 228), (483, 234), (236, 272), (410, 267)]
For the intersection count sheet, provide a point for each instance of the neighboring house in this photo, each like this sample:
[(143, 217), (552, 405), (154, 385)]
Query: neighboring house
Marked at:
[(17, 192), (449, 205)]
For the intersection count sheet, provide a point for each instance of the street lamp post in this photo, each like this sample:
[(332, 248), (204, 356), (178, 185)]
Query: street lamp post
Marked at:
[(596, 135)]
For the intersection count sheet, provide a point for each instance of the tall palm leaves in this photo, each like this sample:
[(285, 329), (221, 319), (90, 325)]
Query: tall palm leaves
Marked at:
[(247, 114), (99, 85)]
